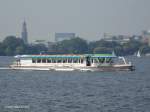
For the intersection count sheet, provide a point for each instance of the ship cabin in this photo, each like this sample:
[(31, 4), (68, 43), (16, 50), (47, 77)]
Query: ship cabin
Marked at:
[(91, 60)]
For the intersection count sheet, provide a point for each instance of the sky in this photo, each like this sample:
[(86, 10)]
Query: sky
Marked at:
[(89, 19)]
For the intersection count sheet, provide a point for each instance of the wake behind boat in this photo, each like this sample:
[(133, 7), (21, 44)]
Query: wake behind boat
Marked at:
[(71, 62)]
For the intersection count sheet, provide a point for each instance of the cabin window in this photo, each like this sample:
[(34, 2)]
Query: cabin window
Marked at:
[(108, 60), (48, 60), (75, 60), (53, 61), (81, 60), (43, 60), (33, 60), (96, 60), (38, 60), (65, 61), (59, 61), (91, 60), (101, 60), (69, 60)]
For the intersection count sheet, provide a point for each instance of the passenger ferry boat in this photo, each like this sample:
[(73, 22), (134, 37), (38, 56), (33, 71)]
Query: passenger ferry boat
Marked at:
[(71, 62)]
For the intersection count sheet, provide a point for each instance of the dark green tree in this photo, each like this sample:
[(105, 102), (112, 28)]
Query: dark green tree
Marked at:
[(72, 46), (102, 50), (36, 49), (103, 46), (144, 49), (131, 47), (11, 44)]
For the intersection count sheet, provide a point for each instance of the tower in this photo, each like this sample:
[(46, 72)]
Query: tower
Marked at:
[(24, 33)]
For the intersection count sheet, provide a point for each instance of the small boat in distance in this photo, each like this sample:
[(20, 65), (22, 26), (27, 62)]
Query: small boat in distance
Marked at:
[(71, 62), (138, 54)]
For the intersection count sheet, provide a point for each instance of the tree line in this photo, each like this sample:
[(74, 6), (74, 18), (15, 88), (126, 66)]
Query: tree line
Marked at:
[(15, 46), (11, 46)]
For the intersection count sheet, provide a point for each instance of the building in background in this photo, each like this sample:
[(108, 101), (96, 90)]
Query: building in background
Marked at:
[(40, 42), (122, 38), (146, 36), (137, 38), (116, 38), (24, 33), (64, 36), (51, 48)]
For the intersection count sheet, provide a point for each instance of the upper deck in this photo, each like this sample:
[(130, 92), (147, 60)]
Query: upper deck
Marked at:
[(68, 56)]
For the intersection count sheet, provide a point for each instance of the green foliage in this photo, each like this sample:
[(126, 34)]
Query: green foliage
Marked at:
[(72, 46), (2, 52), (131, 47), (19, 50), (14, 46), (103, 45), (128, 48), (102, 50), (119, 50), (144, 49), (36, 49)]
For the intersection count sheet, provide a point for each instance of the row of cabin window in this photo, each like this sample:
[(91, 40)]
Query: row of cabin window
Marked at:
[(97, 60), (56, 61), (101, 60)]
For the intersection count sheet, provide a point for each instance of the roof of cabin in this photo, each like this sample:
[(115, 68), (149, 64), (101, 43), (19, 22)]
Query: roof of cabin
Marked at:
[(67, 56)]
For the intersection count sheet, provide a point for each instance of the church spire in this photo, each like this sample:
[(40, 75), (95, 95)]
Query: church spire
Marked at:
[(24, 34)]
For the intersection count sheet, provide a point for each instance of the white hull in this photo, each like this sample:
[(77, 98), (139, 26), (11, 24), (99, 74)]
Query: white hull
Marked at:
[(91, 69)]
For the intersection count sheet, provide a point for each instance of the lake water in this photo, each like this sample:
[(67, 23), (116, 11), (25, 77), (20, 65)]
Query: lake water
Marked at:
[(47, 91)]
